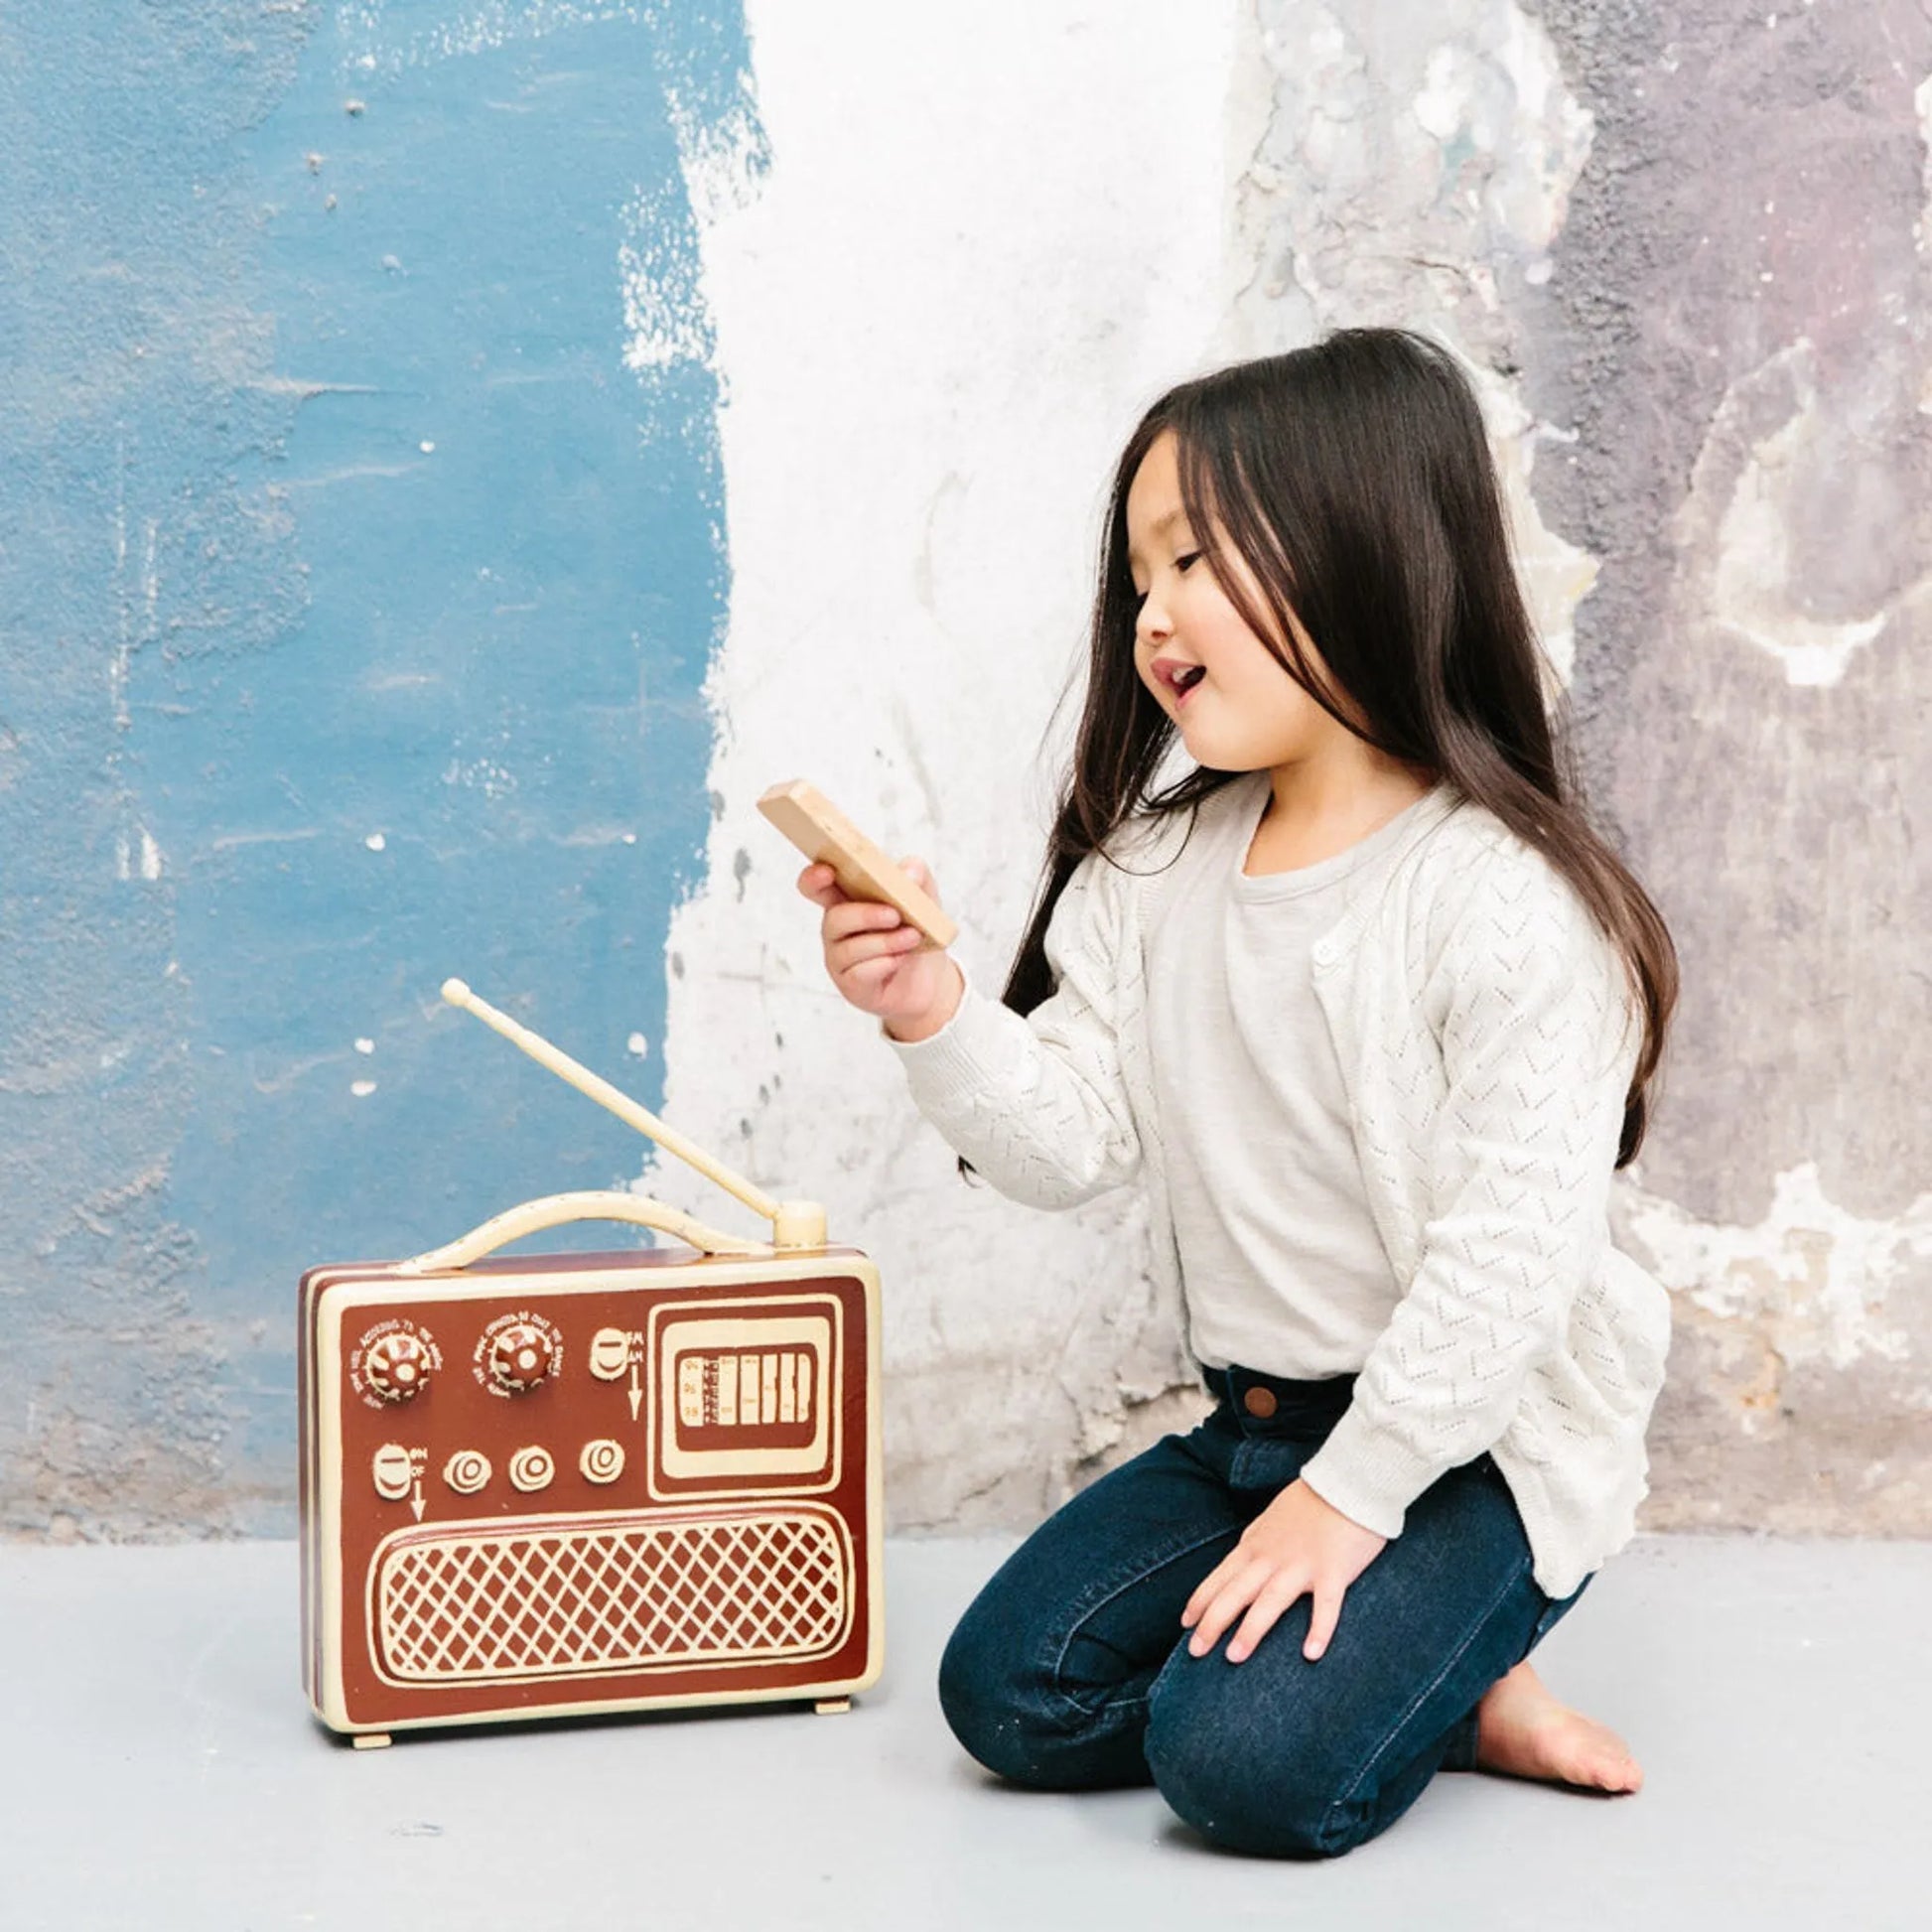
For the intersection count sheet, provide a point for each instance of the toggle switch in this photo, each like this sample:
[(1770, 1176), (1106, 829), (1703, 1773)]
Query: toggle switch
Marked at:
[(393, 1472), (610, 1354)]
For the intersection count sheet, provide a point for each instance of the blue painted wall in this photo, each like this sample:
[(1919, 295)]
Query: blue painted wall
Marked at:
[(354, 603)]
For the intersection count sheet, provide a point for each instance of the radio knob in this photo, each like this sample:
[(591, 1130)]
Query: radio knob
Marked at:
[(397, 1366), (466, 1472), (520, 1357), (532, 1469)]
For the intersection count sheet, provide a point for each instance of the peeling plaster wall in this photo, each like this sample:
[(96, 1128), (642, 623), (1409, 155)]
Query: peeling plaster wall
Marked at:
[(362, 552), (1689, 258), (1739, 331), (1688, 274), (465, 452), (970, 265)]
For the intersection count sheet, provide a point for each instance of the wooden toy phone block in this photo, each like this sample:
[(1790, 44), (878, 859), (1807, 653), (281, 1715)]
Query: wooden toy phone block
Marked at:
[(553, 1485)]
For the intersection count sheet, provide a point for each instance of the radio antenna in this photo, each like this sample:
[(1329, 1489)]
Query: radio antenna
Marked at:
[(794, 1223)]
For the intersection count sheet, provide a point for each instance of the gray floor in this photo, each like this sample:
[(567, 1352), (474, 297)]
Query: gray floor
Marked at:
[(166, 1774)]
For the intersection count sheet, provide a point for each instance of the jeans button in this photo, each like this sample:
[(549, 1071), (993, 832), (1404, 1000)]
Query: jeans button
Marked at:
[(1260, 1403)]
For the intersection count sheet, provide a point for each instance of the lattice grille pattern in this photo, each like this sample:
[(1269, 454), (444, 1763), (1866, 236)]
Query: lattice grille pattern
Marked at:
[(538, 1601)]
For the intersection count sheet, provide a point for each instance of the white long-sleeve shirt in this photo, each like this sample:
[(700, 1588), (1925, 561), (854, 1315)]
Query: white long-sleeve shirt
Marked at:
[(1485, 1039), (1283, 1268)]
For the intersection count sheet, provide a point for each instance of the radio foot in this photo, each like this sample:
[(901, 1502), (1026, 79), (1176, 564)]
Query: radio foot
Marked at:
[(371, 1740), (832, 1707)]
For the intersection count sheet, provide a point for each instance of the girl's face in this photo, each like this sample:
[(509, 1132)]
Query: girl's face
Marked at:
[(1236, 708)]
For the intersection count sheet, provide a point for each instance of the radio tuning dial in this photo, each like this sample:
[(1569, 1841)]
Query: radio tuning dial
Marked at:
[(397, 1366), (520, 1357)]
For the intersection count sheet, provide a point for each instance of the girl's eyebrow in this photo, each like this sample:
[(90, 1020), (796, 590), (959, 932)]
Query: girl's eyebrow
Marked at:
[(1174, 516)]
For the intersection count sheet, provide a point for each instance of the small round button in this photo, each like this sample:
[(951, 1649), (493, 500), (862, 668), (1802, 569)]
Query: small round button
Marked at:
[(520, 1356), (397, 1365), (602, 1460), (466, 1472), (531, 1468), (1260, 1403)]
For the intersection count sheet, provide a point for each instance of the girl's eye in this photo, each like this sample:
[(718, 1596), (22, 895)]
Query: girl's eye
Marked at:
[(1187, 560)]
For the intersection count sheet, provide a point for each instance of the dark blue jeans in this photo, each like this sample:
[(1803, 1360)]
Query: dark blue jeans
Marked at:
[(1070, 1671)]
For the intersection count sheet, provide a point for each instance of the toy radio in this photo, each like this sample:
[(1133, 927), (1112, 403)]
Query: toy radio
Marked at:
[(555, 1485)]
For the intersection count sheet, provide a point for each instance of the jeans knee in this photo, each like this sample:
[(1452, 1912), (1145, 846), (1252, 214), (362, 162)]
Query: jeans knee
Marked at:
[(1255, 1801), (989, 1706)]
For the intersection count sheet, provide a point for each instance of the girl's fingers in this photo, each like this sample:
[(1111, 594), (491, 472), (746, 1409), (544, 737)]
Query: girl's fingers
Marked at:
[(1208, 1588), (1228, 1603), (820, 885), (871, 975), (1263, 1614), (846, 917), (863, 946), (1321, 1623)]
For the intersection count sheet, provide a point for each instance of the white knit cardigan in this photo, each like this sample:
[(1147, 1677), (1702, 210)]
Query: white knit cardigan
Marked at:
[(1486, 1041)]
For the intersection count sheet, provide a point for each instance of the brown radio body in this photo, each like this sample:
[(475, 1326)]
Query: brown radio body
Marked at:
[(571, 1484)]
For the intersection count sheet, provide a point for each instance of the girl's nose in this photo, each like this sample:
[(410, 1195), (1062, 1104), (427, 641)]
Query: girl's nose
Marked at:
[(1153, 625)]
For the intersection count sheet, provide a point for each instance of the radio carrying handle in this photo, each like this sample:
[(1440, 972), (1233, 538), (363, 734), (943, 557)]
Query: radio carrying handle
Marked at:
[(794, 1223), (553, 1210)]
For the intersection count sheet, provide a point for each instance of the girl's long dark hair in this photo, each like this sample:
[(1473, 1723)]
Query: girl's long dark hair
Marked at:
[(1353, 478)]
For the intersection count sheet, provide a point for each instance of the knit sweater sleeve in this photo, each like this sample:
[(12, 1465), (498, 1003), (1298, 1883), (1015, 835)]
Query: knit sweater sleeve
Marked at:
[(1539, 1040), (1038, 1103)]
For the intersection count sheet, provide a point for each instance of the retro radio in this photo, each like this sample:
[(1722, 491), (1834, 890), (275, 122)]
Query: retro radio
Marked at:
[(563, 1485)]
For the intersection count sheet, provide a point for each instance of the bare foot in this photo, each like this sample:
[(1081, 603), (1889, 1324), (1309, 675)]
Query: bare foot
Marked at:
[(1522, 1730)]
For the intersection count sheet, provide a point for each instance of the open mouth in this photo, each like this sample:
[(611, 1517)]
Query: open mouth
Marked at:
[(1179, 678)]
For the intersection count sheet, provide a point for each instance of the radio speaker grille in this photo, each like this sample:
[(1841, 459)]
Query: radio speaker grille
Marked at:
[(555, 1597)]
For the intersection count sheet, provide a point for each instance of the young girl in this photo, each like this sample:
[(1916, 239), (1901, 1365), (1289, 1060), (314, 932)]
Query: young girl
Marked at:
[(1372, 1014)]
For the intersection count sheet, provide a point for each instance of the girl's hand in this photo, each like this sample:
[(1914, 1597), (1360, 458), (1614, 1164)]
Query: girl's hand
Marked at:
[(1298, 1544), (879, 963)]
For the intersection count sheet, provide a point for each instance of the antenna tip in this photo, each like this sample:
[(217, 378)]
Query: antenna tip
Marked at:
[(456, 992)]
